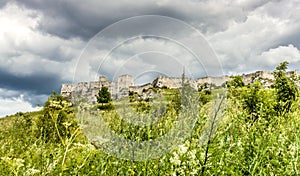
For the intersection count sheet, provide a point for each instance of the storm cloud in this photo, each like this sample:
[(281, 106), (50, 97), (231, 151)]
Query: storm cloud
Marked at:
[(42, 42)]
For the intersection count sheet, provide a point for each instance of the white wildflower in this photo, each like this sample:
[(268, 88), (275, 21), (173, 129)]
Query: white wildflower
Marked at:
[(19, 163), (293, 148), (175, 159), (182, 149), (51, 166), (194, 172), (5, 158), (192, 154), (67, 124), (221, 143), (32, 171), (239, 143), (180, 170)]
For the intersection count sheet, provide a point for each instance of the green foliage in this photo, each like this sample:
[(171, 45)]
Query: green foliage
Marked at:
[(103, 95), (251, 138), (256, 101), (286, 90), (252, 100), (175, 101), (104, 98), (143, 106), (205, 96), (202, 87), (107, 106), (236, 81), (58, 120), (133, 96), (234, 85)]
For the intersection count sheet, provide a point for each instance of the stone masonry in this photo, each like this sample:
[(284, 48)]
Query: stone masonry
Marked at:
[(125, 83), (89, 90)]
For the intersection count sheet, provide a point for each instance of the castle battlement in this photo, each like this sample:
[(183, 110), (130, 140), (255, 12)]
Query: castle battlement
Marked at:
[(125, 83)]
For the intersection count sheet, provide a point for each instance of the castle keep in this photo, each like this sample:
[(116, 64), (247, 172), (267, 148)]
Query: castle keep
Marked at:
[(89, 90), (125, 83)]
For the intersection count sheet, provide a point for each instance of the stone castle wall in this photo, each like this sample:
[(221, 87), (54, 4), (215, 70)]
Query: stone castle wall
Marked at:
[(141, 88), (216, 81), (89, 90), (164, 81), (267, 76), (125, 83)]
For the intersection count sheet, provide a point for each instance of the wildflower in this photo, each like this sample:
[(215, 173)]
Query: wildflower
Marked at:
[(239, 143), (131, 171), (32, 171), (182, 149), (67, 124), (5, 158), (293, 148), (175, 159), (194, 172), (192, 154), (19, 163), (181, 171)]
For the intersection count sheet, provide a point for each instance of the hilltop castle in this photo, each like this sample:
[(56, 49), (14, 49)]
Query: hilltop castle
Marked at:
[(90, 90), (125, 83)]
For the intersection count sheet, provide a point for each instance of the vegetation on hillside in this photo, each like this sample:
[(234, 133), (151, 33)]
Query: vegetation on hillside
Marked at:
[(258, 134)]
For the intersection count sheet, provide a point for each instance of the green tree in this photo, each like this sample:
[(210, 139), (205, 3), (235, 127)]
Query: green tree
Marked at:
[(252, 100), (235, 85), (236, 81), (286, 89), (103, 95)]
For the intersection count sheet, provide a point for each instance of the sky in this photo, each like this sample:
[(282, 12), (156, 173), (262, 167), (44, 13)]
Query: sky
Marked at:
[(44, 44)]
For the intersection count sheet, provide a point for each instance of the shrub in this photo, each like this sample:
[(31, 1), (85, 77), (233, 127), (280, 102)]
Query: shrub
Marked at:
[(58, 119)]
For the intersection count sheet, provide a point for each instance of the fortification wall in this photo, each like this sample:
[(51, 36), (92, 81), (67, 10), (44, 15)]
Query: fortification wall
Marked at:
[(139, 89), (217, 81), (125, 84), (163, 81), (89, 90)]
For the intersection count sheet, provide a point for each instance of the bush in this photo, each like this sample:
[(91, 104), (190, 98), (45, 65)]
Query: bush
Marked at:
[(286, 89), (58, 120), (105, 106)]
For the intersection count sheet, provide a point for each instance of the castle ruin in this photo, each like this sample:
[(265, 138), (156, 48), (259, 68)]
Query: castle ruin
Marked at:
[(89, 90), (125, 83)]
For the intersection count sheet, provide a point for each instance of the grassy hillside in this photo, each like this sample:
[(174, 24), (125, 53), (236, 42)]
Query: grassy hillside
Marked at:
[(256, 133)]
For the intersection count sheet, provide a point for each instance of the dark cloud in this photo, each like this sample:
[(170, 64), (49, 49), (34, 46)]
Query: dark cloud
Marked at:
[(3, 3), (34, 88), (290, 38), (36, 84), (46, 37), (70, 19)]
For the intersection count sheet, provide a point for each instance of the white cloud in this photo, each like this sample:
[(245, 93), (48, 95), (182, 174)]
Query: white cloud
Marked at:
[(240, 46), (27, 51), (46, 38), (9, 106), (274, 56)]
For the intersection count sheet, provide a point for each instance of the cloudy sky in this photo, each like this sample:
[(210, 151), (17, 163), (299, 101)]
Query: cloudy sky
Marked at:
[(46, 43)]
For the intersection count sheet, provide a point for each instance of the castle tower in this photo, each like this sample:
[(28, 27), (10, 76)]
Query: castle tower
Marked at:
[(102, 78), (66, 90), (103, 81), (124, 82)]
